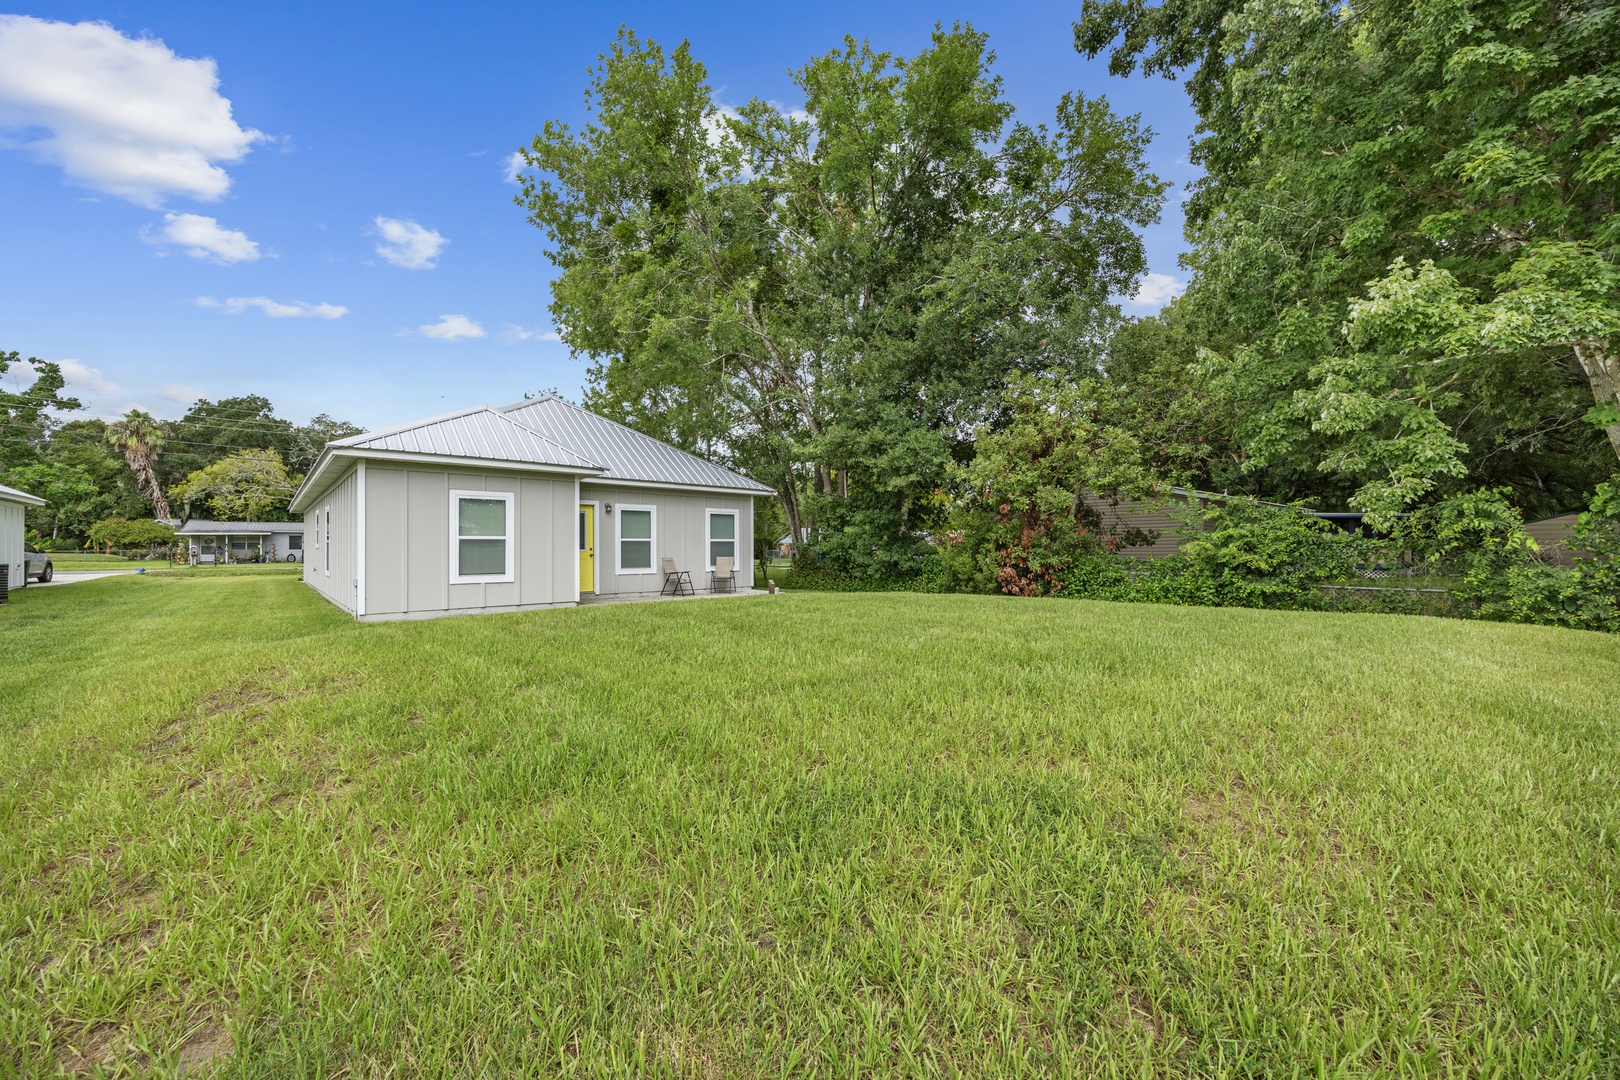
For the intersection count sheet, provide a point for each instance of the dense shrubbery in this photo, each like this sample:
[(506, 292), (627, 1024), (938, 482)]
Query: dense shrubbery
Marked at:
[(123, 536), (1466, 556)]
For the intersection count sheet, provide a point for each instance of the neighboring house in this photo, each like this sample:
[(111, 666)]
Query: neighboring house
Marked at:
[(242, 541), (1552, 535), (1158, 516), (532, 505), (12, 505)]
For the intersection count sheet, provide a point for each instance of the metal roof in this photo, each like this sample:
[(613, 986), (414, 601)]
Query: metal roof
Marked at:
[(626, 454), (199, 527), (11, 494), (479, 432)]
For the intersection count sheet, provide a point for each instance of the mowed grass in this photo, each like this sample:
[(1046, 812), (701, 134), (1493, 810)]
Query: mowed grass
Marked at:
[(806, 834)]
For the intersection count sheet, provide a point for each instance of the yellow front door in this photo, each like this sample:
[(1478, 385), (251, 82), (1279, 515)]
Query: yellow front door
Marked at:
[(587, 549)]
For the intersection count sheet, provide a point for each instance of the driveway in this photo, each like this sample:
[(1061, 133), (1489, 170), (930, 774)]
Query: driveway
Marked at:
[(68, 577)]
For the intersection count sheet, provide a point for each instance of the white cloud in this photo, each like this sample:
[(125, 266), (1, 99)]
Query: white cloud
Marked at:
[(275, 309), (120, 115), (204, 238), (451, 327), (1156, 290), (180, 394), (405, 243), (75, 374), (529, 333), (80, 377), (514, 167)]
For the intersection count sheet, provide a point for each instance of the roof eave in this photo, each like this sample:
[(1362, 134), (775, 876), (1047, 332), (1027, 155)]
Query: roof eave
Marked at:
[(315, 483)]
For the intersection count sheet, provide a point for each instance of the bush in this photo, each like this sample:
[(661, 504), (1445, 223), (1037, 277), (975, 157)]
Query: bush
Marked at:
[(123, 535), (1240, 554)]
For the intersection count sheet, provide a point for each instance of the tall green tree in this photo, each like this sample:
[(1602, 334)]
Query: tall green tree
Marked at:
[(25, 414), (212, 430), (1405, 239), (140, 436), (833, 298), (249, 485), (308, 440)]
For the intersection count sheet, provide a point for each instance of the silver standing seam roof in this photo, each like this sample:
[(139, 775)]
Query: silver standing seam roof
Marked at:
[(479, 432), (202, 527), (625, 453), (542, 431)]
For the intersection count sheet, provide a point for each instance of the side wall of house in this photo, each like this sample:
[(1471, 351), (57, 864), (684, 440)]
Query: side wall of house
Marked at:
[(407, 572), (1552, 535), (680, 531), (1149, 517), (334, 573), (11, 540)]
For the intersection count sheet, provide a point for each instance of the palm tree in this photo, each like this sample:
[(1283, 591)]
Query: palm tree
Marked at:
[(140, 436)]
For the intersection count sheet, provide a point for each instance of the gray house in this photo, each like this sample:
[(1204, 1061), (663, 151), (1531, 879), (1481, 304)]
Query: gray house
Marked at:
[(533, 505), (242, 541)]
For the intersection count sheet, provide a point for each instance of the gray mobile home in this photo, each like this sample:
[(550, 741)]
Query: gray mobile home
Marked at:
[(537, 504)]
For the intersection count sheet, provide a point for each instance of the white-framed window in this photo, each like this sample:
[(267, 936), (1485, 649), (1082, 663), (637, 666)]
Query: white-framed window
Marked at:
[(481, 536), (638, 534), (327, 546), (721, 532)]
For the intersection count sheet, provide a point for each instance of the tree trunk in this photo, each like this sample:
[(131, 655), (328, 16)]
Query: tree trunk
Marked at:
[(1602, 369)]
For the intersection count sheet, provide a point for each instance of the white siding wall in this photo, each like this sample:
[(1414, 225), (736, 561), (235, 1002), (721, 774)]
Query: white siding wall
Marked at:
[(679, 531), (408, 542), (338, 585), (11, 540)]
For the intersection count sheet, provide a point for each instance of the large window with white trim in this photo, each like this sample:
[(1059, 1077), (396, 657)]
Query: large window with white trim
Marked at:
[(722, 533), (637, 535), (328, 542), (481, 540)]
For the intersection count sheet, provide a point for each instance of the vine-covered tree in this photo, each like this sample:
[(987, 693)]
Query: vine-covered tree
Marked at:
[(834, 297)]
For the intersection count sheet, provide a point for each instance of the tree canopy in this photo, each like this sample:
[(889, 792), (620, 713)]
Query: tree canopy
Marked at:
[(248, 485), (834, 297), (1405, 241)]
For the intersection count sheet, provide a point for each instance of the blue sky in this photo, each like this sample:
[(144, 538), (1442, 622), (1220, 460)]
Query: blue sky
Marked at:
[(357, 190)]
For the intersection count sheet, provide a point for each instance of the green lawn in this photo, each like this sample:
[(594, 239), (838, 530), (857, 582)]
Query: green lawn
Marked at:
[(840, 834)]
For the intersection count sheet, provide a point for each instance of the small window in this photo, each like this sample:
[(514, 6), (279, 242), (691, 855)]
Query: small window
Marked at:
[(635, 539), (723, 536), (328, 544), (295, 542), (480, 536)]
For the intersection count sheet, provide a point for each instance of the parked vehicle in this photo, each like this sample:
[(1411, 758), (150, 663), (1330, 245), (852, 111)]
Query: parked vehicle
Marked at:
[(36, 564)]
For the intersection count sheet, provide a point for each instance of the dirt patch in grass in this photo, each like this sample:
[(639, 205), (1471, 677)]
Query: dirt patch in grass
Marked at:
[(97, 1048), (204, 1048)]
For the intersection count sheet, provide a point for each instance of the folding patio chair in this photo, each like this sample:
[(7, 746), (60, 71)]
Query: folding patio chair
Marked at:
[(675, 580), (723, 578)]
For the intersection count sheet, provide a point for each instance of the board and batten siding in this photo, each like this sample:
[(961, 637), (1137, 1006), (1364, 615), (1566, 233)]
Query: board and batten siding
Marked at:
[(408, 543), (340, 584), (11, 540), (680, 531)]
